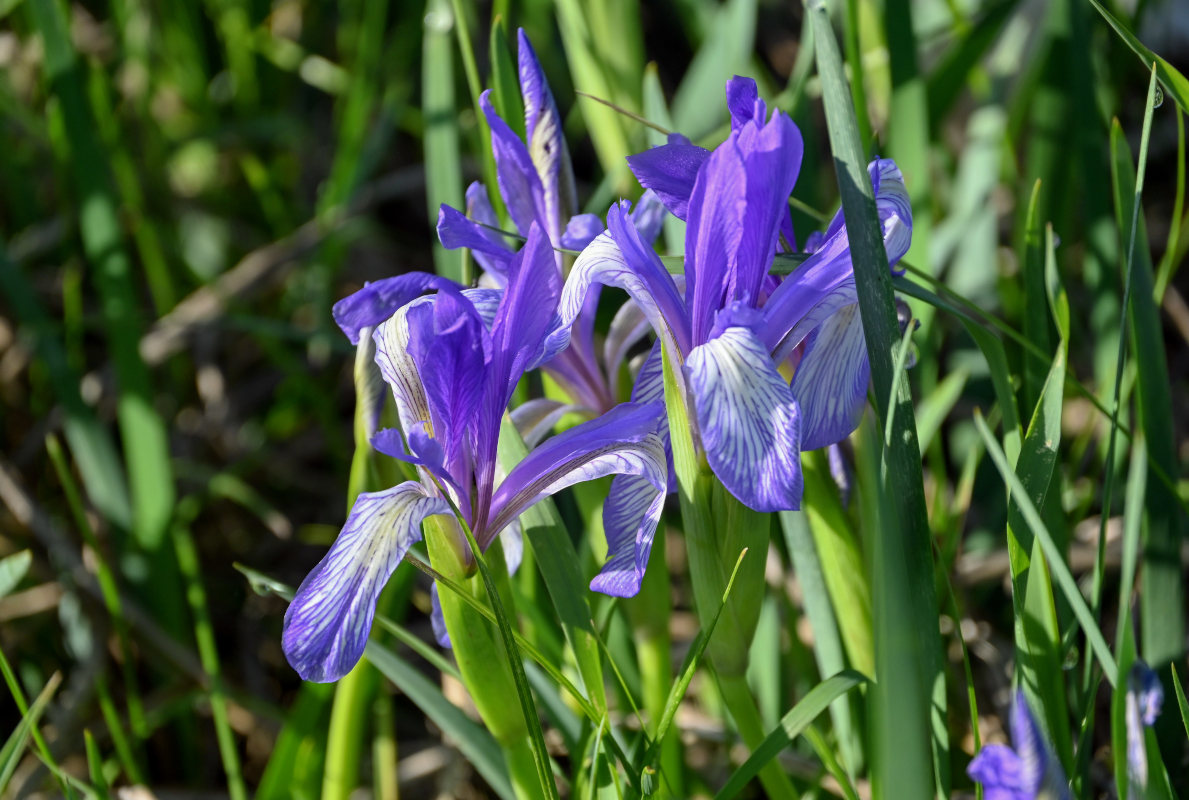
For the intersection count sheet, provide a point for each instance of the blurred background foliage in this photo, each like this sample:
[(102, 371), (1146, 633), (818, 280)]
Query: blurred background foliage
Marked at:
[(187, 187)]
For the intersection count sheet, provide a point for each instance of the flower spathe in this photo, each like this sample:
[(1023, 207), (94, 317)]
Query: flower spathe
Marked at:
[(452, 360)]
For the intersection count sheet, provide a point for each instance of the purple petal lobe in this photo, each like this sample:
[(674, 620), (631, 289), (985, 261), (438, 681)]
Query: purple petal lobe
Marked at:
[(772, 158), (379, 300), (670, 170), (581, 231), (648, 215), (830, 383), (624, 441), (744, 103), (455, 231), (1000, 772), (327, 624), (748, 419), (546, 146), (519, 183), (713, 232)]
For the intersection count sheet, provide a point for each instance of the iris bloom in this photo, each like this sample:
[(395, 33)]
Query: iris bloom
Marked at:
[(737, 325), (1143, 700), (536, 182), (452, 361), (1026, 771)]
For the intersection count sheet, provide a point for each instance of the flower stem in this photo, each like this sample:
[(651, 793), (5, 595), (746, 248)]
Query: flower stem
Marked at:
[(480, 656), (739, 701), (650, 612)]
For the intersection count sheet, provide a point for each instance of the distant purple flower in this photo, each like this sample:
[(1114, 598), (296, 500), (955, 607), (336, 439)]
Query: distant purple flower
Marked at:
[(536, 182), (1027, 770), (452, 361), (1142, 705), (737, 325)]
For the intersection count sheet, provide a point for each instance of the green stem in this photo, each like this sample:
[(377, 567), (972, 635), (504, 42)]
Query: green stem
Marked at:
[(650, 612), (344, 739), (481, 659), (737, 696)]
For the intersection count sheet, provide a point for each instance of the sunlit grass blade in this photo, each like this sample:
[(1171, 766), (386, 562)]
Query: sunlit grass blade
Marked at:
[(827, 644), (443, 171), (1056, 563), (1163, 612), (295, 764), (94, 767), (1038, 639), (837, 551), (1173, 81), (791, 726), (726, 51), (1182, 704), (14, 746), (908, 653), (208, 653), (512, 651), (607, 130), (13, 569), (932, 410), (951, 72)]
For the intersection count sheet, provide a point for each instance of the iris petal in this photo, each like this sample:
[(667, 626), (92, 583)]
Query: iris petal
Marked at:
[(670, 170), (379, 300), (546, 146), (624, 441), (519, 183), (999, 770), (328, 622), (748, 420), (830, 383), (641, 275)]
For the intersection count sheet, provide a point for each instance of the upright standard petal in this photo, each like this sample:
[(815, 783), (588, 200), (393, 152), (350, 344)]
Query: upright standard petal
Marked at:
[(748, 420), (831, 381), (525, 314), (772, 160), (520, 185), (379, 300), (744, 103), (546, 146), (670, 171), (624, 441), (328, 622), (713, 232)]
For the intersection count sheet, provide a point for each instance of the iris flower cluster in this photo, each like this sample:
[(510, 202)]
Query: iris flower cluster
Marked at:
[(767, 366)]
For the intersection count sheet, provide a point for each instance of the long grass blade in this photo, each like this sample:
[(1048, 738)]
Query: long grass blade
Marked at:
[(1056, 562), (791, 726), (904, 577)]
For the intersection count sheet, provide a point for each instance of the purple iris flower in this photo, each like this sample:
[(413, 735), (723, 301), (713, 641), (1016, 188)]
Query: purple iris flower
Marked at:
[(737, 326), (452, 360), (1026, 771), (1142, 705), (536, 181)]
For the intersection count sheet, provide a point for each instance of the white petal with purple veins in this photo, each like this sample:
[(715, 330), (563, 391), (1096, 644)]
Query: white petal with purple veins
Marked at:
[(328, 622), (748, 420), (830, 383)]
